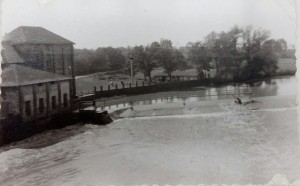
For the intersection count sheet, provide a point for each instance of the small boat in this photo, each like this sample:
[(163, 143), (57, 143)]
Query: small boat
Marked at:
[(94, 117)]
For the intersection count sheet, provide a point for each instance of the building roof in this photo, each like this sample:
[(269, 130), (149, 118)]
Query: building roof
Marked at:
[(9, 54), (185, 73), (15, 75), (34, 35)]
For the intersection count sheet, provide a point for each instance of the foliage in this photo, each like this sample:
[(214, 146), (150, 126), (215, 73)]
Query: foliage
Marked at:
[(144, 60), (239, 53), (170, 59), (158, 55), (99, 60)]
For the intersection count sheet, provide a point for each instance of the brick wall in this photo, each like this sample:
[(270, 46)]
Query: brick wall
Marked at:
[(52, 58)]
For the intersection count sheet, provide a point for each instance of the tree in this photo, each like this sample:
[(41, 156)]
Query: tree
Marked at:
[(166, 43), (180, 60), (259, 53), (144, 60), (237, 52), (101, 62), (102, 59), (85, 62), (169, 58), (115, 58), (167, 61), (154, 50), (199, 56), (228, 57), (283, 44)]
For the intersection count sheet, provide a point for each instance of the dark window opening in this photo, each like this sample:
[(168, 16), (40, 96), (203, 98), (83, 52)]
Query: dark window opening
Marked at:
[(40, 84), (41, 105), (53, 102), (27, 108), (65, 100)]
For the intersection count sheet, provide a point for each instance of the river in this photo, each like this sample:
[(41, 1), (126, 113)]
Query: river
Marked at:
[(191, 137)]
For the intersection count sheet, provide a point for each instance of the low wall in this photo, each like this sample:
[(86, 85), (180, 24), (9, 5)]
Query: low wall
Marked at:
[(180, 85), (12, 129)]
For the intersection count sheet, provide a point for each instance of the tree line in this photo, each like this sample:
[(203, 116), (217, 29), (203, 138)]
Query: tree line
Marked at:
[(237, 53)]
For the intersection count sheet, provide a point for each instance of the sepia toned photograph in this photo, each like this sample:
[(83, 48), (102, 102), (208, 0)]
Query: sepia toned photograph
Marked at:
[(149, 92)]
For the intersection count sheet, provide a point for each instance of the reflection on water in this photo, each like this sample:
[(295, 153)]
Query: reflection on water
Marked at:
[(267, 87)]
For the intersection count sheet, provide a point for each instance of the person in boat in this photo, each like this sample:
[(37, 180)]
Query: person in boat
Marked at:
[(239, 101)]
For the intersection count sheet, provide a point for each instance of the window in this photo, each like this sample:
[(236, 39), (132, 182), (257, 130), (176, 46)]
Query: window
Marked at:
[(65, 100), (27, 108), (41, 105), (48, 61), (53, 99)]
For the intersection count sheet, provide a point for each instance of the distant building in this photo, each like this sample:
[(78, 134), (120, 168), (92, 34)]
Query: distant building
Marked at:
[(183, 75), (286, 66), (37, 73), (177, 75)]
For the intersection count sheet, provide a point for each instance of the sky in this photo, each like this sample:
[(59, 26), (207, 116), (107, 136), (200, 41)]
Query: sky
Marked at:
[(101, 23)]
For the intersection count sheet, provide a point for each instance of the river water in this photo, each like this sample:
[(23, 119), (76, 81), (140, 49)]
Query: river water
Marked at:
[(191, 137)]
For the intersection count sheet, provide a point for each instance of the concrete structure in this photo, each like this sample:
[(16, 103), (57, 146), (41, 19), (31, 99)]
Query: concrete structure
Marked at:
[(37, 74)]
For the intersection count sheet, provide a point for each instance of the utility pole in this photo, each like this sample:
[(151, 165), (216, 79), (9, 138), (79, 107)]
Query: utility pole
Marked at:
[(131, 68)]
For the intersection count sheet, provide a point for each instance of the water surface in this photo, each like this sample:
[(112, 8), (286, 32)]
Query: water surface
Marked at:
[(209, 140)]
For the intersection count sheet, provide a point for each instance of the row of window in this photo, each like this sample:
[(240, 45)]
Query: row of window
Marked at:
[(41, 106)]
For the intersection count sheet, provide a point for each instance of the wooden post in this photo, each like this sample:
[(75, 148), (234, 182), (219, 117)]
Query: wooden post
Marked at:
[(122, 85), (108, 87), (143, 83), (136, 84), (95, 90), (101, 88), (129, 85), (116, 85)]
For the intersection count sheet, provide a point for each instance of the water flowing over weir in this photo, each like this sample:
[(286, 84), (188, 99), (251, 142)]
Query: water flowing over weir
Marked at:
[(208, 141)]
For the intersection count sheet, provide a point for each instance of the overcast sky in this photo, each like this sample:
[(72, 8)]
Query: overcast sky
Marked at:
[(98, 23)]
